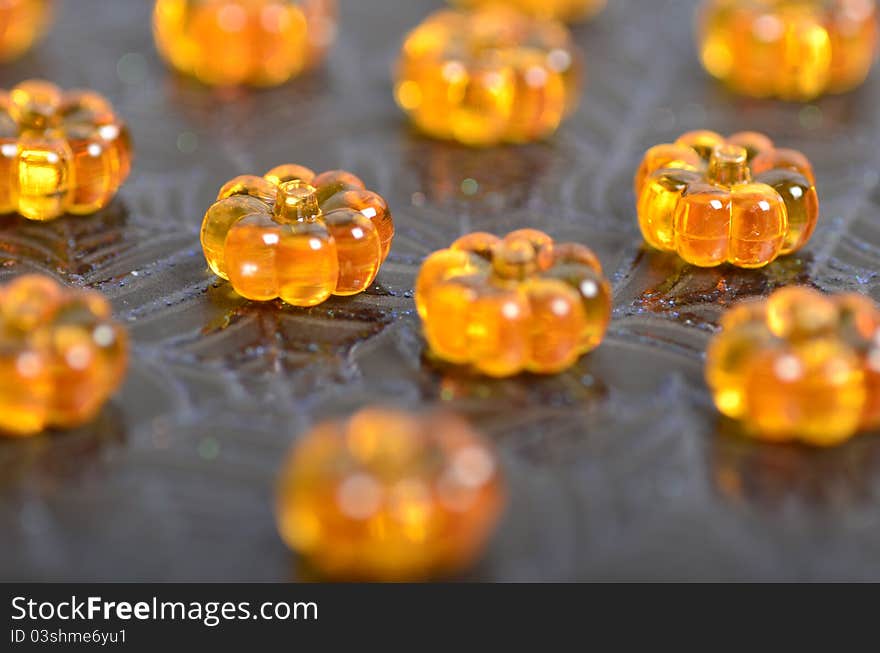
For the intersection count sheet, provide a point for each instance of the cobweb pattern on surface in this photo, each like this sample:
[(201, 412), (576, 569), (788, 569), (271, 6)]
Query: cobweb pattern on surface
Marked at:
[(618, 468)]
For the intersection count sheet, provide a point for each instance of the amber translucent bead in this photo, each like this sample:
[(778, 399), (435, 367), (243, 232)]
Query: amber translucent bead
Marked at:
[(389, 495), (297, 235), (565, 10), (60, 152), (243, 42), (719, 200), (799, 365), (513, 304), (791, 49), (489, 76), (61, 355), (22, 22)]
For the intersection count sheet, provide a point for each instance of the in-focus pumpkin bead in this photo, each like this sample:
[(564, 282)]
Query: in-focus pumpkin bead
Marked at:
[(745, 203), (243, 42), (297, 235), (663, 156), (24, 22), (251, 248), (489, 76), (359, 249), (215, 227), (791, 49), (60, 152), (507, 305), (565, 10), (799, 366), (372, 206), (389, 496), (61, 355), (250, 185), (307, 261)]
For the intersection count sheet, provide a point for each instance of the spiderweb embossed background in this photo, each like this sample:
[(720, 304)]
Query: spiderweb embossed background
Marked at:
[(618, 469)]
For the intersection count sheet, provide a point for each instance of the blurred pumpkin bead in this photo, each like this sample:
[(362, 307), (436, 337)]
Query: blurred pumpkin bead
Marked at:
[(488, 76), (565, 10), (799, 365), (60, 152), (24, 22), (61, 355), (243, 42), (389, 496), (791, 49)]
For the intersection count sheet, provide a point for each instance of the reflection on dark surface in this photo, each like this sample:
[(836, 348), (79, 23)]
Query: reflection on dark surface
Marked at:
[(243, 330), (497, 177), (677, 288), (215, 106), (51, 459), (576, 386), (72, 244), (768, 477)]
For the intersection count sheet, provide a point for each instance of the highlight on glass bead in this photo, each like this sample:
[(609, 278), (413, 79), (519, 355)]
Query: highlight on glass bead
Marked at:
[(715, 200), (799, 365), (790, 49), (243, 42), (61, 355), (389, 495), (297, 235), (504, 306), (22, 23), (60, 152), (489, 76), (565, 10)]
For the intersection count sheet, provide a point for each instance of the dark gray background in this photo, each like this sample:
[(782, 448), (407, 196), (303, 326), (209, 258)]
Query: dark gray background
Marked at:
[(618, 469)]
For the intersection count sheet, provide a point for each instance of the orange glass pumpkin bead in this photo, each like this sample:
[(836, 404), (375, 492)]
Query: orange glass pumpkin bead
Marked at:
[(489, 76), (60, 152), (513, 304), (565, 10), (388, 496), (736, 200), (297, 235), (61, 355), (790, 49), (22, 23), (243, 42), (799, 365)]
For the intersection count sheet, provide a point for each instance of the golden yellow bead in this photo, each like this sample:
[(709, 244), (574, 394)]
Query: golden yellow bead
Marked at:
[(296, 235), (61, 355), (243, 42), (23, 23), (488, 76), (59, 152), (737, 200), (389, 496), (565, 10), (791, 49), (508, 305), (799, 366)]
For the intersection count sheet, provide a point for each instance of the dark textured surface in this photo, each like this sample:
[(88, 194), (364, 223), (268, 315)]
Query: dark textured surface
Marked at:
[(618, 469)]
